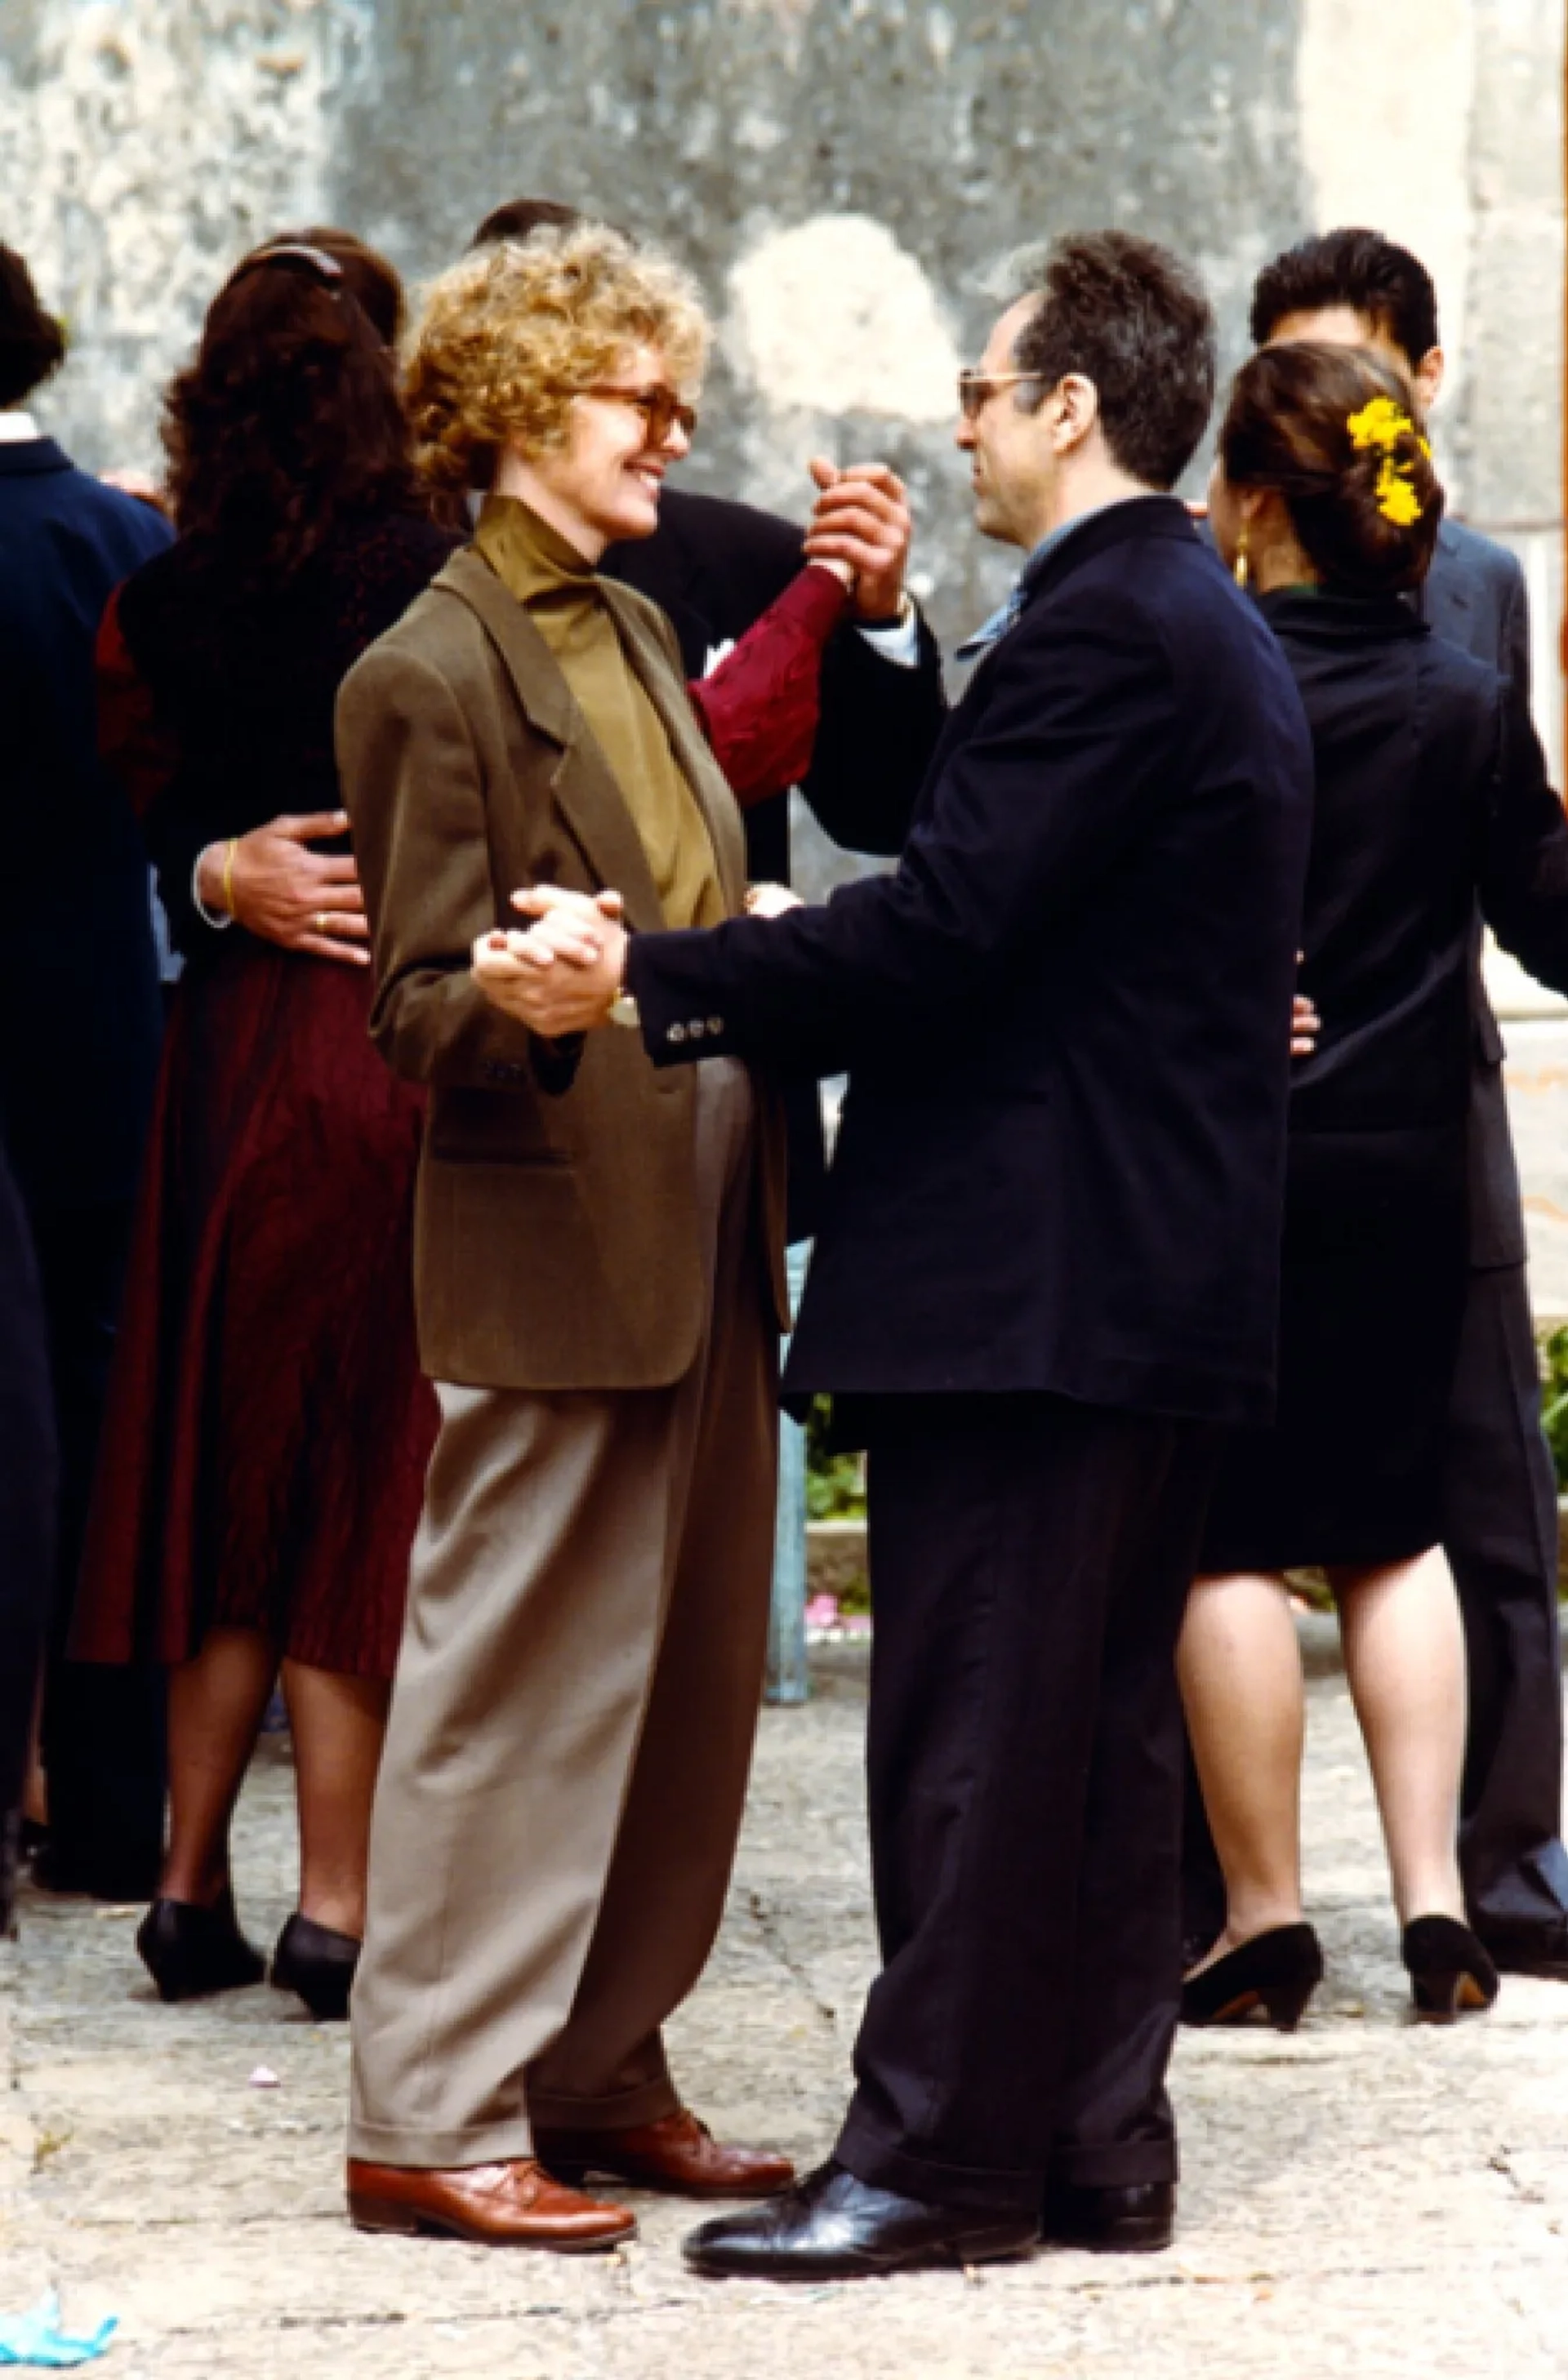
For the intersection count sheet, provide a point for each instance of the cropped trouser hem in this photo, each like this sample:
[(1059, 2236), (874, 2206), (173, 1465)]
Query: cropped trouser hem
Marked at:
[(612, 2111), (441, 2151)]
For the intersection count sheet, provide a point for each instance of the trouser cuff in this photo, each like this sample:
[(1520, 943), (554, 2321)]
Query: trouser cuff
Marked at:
[(1114, 2165), (440, 2152), (873, 2159), (621, 2111)]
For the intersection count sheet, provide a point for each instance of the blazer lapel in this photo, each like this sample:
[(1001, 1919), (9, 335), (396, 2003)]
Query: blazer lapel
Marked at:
[(702, 773), (589, 798)]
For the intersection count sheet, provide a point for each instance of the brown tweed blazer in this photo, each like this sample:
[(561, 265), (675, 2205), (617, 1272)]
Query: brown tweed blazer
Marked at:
[(555, 1238)]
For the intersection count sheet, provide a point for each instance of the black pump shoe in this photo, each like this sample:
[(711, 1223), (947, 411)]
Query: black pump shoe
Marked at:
[(190, 1951), (1451, 1973), (1276, 1971), (318, 1963), (1132, 2219), (833, 2227)]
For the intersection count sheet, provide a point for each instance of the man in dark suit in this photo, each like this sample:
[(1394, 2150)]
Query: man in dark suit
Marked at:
[(80, 1027), (29, 1485), (1356, 287), (714, 567), (1047, 1273)]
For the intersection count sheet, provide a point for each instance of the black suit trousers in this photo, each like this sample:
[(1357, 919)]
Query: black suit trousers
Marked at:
[(103, 1736), (1499, 1530), (1029, 1562)]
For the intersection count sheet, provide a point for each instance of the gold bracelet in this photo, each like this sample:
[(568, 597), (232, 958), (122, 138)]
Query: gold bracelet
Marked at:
[(228, 874)]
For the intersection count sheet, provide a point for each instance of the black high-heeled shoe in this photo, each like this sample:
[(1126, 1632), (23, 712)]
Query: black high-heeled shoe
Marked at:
[(190, 1951), (317, 1962), (1276, 1971), (1451, 1973)]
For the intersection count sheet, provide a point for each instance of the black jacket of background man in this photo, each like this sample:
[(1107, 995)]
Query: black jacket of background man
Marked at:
[(714, 567), (1066, 1014)]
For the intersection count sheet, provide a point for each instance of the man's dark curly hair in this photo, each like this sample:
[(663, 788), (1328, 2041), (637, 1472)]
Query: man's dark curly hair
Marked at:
[(1391, 289), (33, 343), (288, 419), (1132, 318)]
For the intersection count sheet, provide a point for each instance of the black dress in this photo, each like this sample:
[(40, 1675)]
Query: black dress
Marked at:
[(1409, 737)]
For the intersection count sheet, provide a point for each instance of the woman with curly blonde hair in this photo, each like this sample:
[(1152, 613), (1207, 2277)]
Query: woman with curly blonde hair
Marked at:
[(596, 1284)]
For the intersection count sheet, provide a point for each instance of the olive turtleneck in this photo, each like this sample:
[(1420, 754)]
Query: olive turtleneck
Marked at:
[(564, 596)]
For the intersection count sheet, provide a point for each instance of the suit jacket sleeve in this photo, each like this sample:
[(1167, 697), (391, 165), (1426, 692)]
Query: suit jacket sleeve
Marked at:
[(1074, 728), (1524, 875), (1513, 656), (880, 725), (412, 787)]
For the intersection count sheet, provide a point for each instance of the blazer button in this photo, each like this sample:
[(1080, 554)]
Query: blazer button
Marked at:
[(715, 1024), (697, 1028), (676, 1033)]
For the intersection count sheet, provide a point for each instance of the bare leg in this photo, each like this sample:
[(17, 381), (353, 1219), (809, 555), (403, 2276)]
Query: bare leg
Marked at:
[(217, 1703), (1405, 1658), (1240, 1670), (338, 1725)]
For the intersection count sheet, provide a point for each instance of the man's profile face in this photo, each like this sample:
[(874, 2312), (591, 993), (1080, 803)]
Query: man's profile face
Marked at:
[(1344, 326), (1012, 464)]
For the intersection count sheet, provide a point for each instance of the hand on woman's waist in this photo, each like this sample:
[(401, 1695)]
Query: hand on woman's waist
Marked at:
[(271, 883)]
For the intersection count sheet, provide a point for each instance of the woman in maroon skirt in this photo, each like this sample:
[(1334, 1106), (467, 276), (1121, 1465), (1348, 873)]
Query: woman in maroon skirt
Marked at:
[(263, 1458), (268, 1429)]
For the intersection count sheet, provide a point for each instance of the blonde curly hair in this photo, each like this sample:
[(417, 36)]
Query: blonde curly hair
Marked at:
[(507, 338)]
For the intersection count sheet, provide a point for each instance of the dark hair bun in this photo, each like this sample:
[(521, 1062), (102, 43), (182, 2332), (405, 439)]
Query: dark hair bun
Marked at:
[(1334, 431), (33, 343)]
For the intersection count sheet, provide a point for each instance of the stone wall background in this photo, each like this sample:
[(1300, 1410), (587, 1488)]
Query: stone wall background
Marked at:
[(844, 174)]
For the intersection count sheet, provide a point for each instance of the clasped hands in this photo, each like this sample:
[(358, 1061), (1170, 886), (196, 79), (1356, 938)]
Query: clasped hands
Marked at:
[(564, 974)]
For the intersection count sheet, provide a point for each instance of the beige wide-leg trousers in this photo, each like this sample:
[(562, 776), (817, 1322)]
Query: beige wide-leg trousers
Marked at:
[(571, 1725)]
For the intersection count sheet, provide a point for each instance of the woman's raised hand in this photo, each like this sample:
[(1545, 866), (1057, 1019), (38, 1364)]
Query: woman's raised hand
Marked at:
[(277, 889)]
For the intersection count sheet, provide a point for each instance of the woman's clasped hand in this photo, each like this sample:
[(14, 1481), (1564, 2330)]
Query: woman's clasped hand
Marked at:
[(271, 883)]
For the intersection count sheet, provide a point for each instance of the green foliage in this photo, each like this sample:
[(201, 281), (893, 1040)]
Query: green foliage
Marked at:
[(1554, 1401), (835, 1484)]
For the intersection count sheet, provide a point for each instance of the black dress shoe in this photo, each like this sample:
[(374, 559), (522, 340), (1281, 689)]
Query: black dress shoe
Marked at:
[(1451, 1974), (190, 1952), (1276, 1971), (832, 2226), (317, 1962), (1131, 2218), (1537, 1950)]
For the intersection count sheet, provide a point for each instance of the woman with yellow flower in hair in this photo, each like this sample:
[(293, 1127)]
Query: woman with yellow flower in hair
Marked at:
[(1326, 506)]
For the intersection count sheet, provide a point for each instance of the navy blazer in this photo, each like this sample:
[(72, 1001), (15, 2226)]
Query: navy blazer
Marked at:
[(1474, 597), (1066, 1014), (80, 1005)]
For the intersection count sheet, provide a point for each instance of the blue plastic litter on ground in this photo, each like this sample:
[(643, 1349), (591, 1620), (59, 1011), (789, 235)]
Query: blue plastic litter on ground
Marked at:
[(36, 2338)]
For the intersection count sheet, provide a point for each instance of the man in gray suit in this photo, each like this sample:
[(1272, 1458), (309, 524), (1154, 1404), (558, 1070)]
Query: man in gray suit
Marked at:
[(1356, 287)]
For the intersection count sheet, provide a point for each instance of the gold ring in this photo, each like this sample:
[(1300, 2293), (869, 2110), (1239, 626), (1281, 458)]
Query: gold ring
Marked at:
[(321, 921)]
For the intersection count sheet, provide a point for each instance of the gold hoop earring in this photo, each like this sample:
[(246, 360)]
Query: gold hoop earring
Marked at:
[(1243, 571)]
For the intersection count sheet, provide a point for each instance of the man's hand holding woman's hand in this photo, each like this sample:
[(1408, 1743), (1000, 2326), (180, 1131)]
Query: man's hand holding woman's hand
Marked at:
[(562, 976)]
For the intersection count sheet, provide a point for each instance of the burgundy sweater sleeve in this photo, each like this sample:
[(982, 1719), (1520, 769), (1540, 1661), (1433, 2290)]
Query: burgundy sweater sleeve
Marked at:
[(759, 708), (132, 743)]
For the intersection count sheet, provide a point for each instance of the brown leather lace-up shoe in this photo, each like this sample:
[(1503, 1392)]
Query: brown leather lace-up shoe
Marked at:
[(677, 2154), (514, 2206)]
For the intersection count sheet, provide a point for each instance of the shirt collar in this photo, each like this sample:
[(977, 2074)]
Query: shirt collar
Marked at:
[(18, 428), (1006, 615)]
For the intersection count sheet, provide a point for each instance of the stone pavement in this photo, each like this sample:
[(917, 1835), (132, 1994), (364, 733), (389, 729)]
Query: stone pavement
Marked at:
[(1365, 2198)]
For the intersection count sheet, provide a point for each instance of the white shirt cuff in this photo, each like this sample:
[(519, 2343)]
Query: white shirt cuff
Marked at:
[(899, 640), (216, 918)]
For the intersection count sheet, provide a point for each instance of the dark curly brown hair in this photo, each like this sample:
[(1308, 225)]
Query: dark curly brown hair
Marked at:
[(33, 343), (1288, 427), (288, 419)]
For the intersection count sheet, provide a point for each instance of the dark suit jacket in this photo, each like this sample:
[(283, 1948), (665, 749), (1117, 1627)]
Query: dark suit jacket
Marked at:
[(1474, 597), (556, 1232), (1066, 1015), (79, 1010), (714, 567)]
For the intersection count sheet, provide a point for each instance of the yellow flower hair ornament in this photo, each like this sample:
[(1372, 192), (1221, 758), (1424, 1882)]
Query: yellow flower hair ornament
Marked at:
[(1383, 424)]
